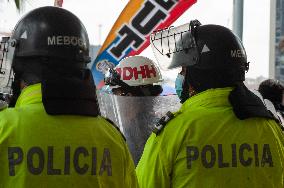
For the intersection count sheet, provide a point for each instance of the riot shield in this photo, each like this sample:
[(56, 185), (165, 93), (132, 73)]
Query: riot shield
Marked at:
[(136, 116)]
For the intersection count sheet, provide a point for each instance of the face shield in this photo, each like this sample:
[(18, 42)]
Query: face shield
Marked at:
[(136, 116), (7, 49), (175, 46)]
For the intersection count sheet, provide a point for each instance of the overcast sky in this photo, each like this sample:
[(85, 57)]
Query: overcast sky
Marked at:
[(99, 15)]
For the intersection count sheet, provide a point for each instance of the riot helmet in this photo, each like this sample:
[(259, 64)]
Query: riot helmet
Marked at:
[(46, 36), (50, 45), (213, 56), (51, 32), (47, 33), (135, 75)]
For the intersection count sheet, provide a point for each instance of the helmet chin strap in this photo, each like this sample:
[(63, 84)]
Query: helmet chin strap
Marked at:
[(185, 93), (185, 88)]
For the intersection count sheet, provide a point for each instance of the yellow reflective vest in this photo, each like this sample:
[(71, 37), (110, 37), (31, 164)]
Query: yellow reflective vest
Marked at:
[(39, 150), (205, 145)]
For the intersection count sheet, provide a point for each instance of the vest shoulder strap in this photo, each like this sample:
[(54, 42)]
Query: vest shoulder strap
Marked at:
[(160, 125)]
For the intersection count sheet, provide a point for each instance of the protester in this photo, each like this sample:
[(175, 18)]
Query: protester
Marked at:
[(223, 135), (54, 136)]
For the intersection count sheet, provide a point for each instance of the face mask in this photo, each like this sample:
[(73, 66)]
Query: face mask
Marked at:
[(106, 89), (178, 84)]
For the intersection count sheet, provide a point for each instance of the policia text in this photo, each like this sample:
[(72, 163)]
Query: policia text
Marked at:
[(37, 160), (243, 155)]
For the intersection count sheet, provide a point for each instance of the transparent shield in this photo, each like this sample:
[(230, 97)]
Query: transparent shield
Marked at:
[(6, 74), (173, 42), (136, 116)]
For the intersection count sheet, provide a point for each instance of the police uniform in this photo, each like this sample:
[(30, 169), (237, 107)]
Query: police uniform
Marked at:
[(39, 150), (206, 145)]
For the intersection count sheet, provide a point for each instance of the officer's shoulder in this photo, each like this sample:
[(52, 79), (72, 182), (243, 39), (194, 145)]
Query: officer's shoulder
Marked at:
[(5, 112), (163, 121), (115, 126), (109, 122)]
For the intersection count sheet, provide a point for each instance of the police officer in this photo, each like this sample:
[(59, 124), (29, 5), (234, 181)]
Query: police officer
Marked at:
[(223, 135), (54, 136)]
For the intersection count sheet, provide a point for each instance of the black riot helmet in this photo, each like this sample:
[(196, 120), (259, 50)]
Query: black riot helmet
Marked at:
[(51, 32), (45, 37), (213, 56), (50, 45), (48, 36)]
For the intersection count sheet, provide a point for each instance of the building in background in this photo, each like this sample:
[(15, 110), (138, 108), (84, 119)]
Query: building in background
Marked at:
[(4, 34), (276, 60), (253, 83), (94, 50)]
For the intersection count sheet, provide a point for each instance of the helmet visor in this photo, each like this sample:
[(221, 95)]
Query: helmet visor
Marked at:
[(7, 48), (173, 47), (136, 116)]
